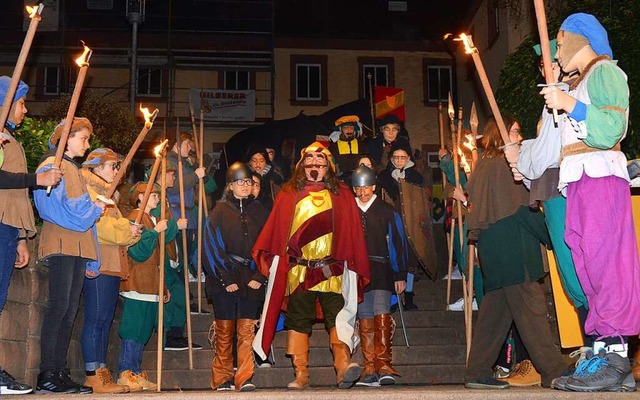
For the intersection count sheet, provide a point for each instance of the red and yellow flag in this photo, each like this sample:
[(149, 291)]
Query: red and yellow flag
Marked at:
[(389, 100)]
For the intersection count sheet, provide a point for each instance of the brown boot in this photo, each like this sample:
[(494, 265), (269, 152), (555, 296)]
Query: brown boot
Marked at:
[(298, 348), (382, 343), (347, 373), (222, 367), (366, 343), (246, 362), (635, 368), (102, 382)]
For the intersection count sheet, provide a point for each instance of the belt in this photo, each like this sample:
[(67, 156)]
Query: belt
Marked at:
[(324, 262), (581, 148), (244, 261), (379, 259)]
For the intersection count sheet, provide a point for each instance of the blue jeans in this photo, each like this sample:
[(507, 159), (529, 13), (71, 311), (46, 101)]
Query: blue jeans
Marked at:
[(8, 247), (100, 298), (376, 302), (130, 356)]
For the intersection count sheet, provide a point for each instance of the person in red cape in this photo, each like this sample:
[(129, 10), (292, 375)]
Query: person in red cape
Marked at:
[(313, 250)]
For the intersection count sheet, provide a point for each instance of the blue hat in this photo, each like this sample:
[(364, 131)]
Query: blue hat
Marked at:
[(21, 90), (588, 26), (554, 47)]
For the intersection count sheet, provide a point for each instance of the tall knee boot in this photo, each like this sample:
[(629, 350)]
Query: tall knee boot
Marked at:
[(347, 373), (368, 376), (298, 349), (382, 343), (246, 361), (222, 367), (635, 368)]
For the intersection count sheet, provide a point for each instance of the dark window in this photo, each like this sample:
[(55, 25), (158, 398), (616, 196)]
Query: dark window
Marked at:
[(237, 80), (149, 82), (308, 82), (493, 21), (439, 80), (52, 80), (381, 70)]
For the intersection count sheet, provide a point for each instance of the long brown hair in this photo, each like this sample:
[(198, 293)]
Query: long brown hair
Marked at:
[(299, 180), (491, 139)]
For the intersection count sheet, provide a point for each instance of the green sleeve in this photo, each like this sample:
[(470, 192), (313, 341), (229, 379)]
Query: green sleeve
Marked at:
[(446, 165), (609, 95), (145, 247), (210, 185), (172, 230)]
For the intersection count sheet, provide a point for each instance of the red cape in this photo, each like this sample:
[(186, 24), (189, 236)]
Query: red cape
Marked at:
[(348, 245)]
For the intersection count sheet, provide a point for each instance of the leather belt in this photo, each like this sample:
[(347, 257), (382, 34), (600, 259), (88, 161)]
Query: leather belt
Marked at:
[(244, 261), (379, 259), (322, 263)]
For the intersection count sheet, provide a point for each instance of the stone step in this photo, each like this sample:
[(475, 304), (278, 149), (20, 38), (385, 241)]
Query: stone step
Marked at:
[(319, 376), (319, 357)]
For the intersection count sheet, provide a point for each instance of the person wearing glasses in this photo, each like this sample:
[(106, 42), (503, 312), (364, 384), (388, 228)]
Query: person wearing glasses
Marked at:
[(115, 235), (400, 166), (237, 287)]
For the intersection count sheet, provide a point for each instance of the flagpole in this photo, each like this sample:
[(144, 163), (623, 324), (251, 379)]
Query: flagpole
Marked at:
[(372, 106)]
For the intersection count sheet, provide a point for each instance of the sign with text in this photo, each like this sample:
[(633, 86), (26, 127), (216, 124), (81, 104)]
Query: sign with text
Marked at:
[(224, 105)]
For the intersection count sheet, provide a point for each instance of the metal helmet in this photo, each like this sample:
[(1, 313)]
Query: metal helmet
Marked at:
[(238, 171), (363, 176)]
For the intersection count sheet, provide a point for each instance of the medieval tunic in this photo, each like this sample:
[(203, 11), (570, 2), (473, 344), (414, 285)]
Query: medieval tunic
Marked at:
[(15, 207), (230, 233), (593, 174), (312, 224), (346, 154)]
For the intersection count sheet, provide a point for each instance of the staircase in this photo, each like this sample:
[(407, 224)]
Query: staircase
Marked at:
[(436, 354)]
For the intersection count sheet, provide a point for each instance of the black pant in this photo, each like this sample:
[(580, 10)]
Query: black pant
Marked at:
[(229, 307), (301, 310), (66, 276), (525, 305)]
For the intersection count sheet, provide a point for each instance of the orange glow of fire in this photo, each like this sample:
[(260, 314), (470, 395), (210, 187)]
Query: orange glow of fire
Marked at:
[(468, 143), (450, 109), (33, 11), (84, 58), (158, 149), (149, 117), (463, 162), (469, 48)]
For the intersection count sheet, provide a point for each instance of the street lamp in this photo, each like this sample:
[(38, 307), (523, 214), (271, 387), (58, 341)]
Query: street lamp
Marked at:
[(135, 15)]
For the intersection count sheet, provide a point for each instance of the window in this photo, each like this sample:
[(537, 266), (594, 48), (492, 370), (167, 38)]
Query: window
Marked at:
[(237, 80), (381, 70), (51, 81), (438, 80), (309, 80), (99, 4), (149, 82), (493, 21)]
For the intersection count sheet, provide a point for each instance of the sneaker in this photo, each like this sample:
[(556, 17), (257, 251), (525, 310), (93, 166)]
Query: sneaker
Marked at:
[(102, 382), (180, 343), (525, 374), (582, 352), (459, 305), (370, 380), (387, 380), (65, 376), (500, 372), (9, 385), (605, 372), (49, 382), (130, 379), (247, 386), (227, 386), (486, 383)]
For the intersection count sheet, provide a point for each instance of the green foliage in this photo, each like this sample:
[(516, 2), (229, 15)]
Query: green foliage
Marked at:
[(517, 94), (34, 135), (113, 124)]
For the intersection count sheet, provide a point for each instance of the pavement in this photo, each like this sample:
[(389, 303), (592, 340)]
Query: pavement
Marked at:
[(452, 392)]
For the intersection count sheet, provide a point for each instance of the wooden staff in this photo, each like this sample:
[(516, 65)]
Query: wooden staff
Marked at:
[(35, 15), (163, 216), (200, 206), (469, 315), (450, 261), (545, 47), (441, 129), (152, 178), (205, 202), (473, 123), (372, 107), (148, 123), (185, 256), (475, 55), (83, 63)]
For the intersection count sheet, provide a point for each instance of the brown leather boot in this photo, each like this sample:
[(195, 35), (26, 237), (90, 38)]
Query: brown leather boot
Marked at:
[(102, 382), (298, 348), (366, 342), (347, 373), (246, 362), (382, 343), (635, 368), (222, 367)]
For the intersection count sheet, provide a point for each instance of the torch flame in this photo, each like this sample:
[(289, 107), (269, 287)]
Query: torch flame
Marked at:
[(158, 149), (468, 143), (149, 117), (34, 11), (463, 162), (469, 48), (84, 58), (450, 109)]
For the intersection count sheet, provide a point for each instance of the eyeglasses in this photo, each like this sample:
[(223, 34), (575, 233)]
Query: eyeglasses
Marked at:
[(113, 166), (244, 182), (400, 157)]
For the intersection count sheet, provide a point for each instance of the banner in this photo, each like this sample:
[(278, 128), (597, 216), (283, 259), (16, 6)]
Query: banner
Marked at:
[(224, 105), (389, 100)]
